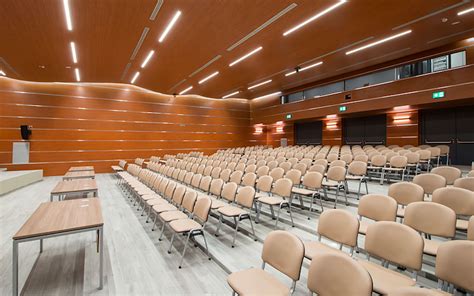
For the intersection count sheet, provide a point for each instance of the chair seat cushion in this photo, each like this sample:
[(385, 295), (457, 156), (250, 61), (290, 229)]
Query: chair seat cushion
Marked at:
[(303, 191), (160, 208), (431, 246), (260, 194), (173, 215), (156, 201), (353, 177), (384, 279), (256, 282), (145, 191), (272, 200), (461, 224), (184, 225), (216, 203), (330, 183), (313, 249), (231, 211), (147, 197)]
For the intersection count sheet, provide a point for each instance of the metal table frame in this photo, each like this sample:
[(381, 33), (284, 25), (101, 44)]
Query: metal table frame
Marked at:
[(61, 195)]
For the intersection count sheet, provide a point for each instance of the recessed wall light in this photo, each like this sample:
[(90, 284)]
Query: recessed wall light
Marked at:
[(268, 95), (259, 84), (379, 42), (2, 73), (208, 77), (73, 52), (186, 90), (78, 76), (466, 11), (170, 26), (67, 14), (147, 59), (245, 56), (399, 108), (230, 95), (135, 77), (314, 17), (304, 68), (331, 116)]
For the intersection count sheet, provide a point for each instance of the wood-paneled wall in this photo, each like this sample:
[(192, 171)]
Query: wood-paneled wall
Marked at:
[(98, 124)]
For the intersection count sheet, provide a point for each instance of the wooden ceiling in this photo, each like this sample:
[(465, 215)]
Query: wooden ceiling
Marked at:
[(35, 40)]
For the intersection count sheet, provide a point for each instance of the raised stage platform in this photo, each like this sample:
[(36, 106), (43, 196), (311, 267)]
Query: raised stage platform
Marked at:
[(11, 180)]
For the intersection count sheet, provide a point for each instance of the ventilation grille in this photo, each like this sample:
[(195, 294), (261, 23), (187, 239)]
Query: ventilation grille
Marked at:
[(205, 65), (157, 8)]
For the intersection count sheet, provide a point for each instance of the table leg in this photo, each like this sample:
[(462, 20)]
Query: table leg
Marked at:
[(101, 250), (15, 269), (41, 245)]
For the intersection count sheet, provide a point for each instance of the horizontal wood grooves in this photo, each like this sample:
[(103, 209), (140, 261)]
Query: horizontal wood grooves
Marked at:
[(100, 124), (406, 133)]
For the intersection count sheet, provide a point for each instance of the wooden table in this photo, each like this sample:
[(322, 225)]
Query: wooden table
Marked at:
[(58, 218), (81, 168), (75, 186), (79, 175)]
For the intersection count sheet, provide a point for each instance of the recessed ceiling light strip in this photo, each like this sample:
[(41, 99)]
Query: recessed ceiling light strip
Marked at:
[(135, 77), (314, 17), (78, 76), (176, 85), (73, 52), (10, 68), (139, 43), (263, 26), (125, 71), (186, 90), (208, 77), (268, 95), (259, 84), (230, 95), (466, 11), (67, 13), (245, 56), (170, 26), (147, 59), (305, 68), (157, 8), (205, 65), (379, 42)]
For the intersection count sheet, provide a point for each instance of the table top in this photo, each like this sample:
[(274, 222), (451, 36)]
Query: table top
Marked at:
[(62, 216), (81, 168), (76, 185), (80, 174)]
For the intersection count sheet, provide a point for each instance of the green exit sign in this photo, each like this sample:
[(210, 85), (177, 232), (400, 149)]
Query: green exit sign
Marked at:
[(342, 108), (438, 94), (289, 116)]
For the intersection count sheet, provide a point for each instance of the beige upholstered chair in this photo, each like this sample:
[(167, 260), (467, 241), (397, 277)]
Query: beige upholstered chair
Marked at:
[(295, 176), (470, 229), (216, 172), (205, 184), (466, 183), (226, 196), (225, 175), (449, 173), (376, 207), (405, 193), (322, 162), (249, 179), (430, 182), (318, 168), (395, 243), (431, 219), (312, 183), (196, 180), (280, 197), (262, 171), (357, 171), (236, 177), (277, 173), (397, 165), (338, 275), (454, 265), (301, 167), (191, 227), (337, 162), (187, 208), (216, 187), (377, 163), (460, 200), (332, 157), (275, 253), (335, 179), (337, 225)]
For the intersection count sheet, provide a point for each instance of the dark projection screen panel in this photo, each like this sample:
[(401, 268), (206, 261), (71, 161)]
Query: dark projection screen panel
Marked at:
[(309, 133)]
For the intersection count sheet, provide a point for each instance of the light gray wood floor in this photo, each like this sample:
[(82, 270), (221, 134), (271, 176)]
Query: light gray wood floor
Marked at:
[(136, 263)]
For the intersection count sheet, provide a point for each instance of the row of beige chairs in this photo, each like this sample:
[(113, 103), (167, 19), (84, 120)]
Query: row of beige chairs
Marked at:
[(331, 272)]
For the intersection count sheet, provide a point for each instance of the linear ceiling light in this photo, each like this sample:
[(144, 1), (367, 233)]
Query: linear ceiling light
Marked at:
[(466, 11), (379, 42), (304, 68), (186, 90), (73, 52), (208, 77), (230, 95), (314, 17), (246, 56), (67, 13), (259, 84), (269, 95), (148, 57), (170, 25), (135, 77), (78, 76), (2, 73)]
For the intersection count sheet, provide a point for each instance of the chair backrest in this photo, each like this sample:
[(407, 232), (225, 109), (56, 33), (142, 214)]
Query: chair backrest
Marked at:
[(302, 167), (236, 177), (322, 162), (431, 218), (357, 168), (196, 180), (293, 160), (294, 175), (338, 275), (332, 157), (262, 171), (361, 157), (406, 192), (378, 160), (430, 182), (229, 190), (188, 177), (272, 164), (251, 168), (205, 183), (454, 263), (249, 179), (317, 168), (424, 154), (398, 161), (470, 229), (377, 207), (200, 169), (336, 173), (339, 226), (216, 187), (412, 157), (435, 151), (337, 162), (459, 199), (189, 200), (225, 175), (216, 172), (313, 180), (470, 174), (245, 196), (449, 173), (264, 183), (163, 185), (396, 243), (277, 173), (284, 251), (282, 187), (286, 166), (202, 208), (466, 183), (178, 195)]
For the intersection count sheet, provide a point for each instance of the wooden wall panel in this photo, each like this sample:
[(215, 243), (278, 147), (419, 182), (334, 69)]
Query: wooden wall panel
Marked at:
[(403, 131), (98, 124)]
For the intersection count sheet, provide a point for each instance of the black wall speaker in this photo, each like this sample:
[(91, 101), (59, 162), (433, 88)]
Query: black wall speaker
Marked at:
[(25, 132)]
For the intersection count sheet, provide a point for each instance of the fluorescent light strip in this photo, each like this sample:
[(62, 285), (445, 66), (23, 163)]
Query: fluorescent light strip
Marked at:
[(230, 95), (398, 117), (466, 11), (331, 116), (314, 17), (379, 42), (208, 77), (269, 95), (259, 84), (78, 76), (67, 14), (170, 25), (245, 56), (2, 73), (404, 107), (186, 90), (148, 57), (73, 52), (135, 77), (304, 68)]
